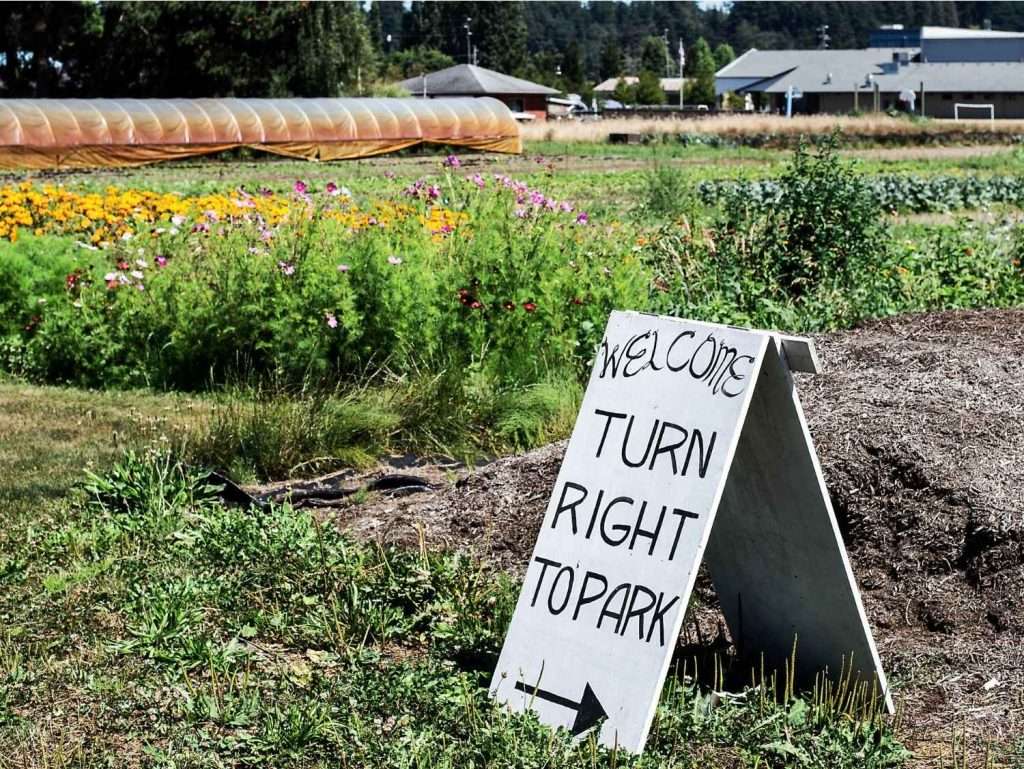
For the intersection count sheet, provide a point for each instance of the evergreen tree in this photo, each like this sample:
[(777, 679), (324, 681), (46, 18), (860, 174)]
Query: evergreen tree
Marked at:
[(624, 93), (654, 56), (415, 61), (572, 68), (723, 55), (345, 61), (648, 89), (703, 89), (499, 31), (611, 59)]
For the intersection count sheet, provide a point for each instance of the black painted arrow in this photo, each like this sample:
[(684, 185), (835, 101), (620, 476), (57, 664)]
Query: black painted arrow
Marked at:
[(588, 710)]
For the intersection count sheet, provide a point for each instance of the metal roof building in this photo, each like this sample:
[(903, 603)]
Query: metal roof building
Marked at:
[(949, 67), (525, 98)]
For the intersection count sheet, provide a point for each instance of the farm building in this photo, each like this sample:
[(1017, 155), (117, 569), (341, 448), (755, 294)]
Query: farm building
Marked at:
[(669, 85), (77, 133), (527, 100), (935, 71)]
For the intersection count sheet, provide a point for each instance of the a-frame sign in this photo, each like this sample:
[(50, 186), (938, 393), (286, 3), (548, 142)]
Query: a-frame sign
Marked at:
[(690, 444)]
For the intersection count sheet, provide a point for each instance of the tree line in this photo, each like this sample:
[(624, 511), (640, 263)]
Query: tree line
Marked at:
[(190, 49)]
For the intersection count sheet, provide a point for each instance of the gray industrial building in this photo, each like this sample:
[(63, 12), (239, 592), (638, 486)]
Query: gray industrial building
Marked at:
[(929, 71)]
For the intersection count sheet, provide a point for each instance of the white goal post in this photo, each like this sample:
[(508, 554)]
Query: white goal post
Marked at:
[(959, 106)]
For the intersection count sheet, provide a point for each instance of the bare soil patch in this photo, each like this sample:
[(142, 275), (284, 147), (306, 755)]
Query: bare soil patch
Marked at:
[(919, 424)]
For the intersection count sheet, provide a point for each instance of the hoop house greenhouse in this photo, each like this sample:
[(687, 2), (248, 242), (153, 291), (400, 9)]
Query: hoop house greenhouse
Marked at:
[(79, 133)]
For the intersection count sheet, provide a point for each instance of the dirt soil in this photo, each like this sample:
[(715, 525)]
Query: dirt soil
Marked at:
[(919, 424)]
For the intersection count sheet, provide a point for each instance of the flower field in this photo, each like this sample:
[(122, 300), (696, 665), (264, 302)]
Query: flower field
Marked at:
[(100, 219), (484, 287)]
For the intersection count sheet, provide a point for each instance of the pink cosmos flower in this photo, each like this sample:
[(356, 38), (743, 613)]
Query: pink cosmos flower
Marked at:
[(582, 218), (478, 180), (332, 320), (521, 213), (452, 162), (287, 268), (177, 220), (343, 268), (433, 192), (161, 261), (299, 187), (332, 189), (389, 174), (394, 260)]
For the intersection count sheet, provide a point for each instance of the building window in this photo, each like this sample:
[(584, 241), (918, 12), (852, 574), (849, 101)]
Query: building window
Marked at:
[(517, 105)]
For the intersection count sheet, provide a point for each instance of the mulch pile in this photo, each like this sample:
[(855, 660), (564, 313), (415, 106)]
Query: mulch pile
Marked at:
[(919, 424)]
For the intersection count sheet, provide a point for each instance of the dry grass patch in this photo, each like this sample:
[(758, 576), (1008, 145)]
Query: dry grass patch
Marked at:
[(48, 435), (740, 125)]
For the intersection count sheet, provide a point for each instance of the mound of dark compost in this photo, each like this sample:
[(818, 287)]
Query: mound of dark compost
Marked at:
[(919, 424)]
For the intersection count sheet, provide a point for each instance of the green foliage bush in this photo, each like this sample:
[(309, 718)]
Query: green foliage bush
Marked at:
[(513, 296), (32, 271)]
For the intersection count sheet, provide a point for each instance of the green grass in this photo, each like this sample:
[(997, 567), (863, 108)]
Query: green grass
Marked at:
[(146, 624), (272, 433)]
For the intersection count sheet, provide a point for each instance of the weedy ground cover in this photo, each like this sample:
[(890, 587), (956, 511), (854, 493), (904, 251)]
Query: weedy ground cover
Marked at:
[(178, 631)]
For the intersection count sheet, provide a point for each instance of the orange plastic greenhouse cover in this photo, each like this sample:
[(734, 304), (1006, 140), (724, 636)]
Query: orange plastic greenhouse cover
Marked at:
[(79, 133)]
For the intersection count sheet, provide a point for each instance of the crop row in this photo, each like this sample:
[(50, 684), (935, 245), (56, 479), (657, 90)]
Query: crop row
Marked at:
[(914, 194)]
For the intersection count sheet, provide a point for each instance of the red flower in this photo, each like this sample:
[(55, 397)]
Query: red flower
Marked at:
[(529, 306), (475, 305), (122, 265)]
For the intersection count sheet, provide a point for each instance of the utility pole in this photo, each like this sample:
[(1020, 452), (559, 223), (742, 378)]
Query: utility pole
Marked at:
[(664, 36), (682, 64), (469, 39)]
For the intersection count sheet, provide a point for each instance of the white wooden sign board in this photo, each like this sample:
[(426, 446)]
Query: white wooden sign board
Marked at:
[(690, 444)]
